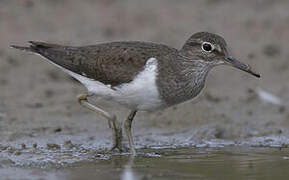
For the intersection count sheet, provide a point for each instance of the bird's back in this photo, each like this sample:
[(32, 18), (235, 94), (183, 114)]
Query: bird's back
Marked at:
[(112, 63)]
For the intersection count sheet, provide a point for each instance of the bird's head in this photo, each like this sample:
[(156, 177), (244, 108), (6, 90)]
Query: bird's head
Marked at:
[(211, 49)]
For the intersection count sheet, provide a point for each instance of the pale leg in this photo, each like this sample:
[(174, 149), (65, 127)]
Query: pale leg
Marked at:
[(127, 126), (112, 121)]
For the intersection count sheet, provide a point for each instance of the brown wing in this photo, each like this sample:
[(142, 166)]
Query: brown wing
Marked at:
[(110, 63)]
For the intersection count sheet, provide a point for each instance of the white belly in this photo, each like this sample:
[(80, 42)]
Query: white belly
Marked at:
[(139, 94)]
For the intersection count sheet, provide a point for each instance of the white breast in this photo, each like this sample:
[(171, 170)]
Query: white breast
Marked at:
[(142, 92), (139, 94)]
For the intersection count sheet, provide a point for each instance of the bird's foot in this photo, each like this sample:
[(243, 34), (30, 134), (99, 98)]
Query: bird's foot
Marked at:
[(116, 135), (117, 143)]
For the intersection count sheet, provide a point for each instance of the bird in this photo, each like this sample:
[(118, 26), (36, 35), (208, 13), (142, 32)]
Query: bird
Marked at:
[(141, 76)]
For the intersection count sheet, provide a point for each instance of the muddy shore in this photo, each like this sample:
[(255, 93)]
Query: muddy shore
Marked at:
[(39, 113)]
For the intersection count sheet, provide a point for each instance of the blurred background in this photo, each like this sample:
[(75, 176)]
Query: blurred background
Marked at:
[(38, 101)]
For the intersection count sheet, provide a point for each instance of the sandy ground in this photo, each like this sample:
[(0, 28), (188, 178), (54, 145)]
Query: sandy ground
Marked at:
[(38, 101)]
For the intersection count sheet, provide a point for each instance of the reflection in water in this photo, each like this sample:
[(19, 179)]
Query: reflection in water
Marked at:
[(174, 163), (128, 173), (209, 163)]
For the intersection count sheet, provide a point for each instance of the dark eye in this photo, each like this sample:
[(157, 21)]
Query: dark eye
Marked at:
[(206, 46)]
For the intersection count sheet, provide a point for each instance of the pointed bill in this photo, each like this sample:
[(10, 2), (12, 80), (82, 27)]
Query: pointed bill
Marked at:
[(239, 65)]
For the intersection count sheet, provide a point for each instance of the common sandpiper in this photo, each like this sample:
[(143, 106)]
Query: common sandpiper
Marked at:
[(141, 76)]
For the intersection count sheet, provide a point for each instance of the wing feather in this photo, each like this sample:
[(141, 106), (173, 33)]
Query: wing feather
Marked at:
[(110, 63)]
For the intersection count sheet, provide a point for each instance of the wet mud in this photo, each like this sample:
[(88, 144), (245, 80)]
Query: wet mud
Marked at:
[(238, 127)]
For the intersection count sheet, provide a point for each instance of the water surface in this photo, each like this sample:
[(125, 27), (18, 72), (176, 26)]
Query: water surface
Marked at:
[(165, 164)]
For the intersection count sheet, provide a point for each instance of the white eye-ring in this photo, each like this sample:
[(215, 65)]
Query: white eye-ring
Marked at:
[(207, 46)]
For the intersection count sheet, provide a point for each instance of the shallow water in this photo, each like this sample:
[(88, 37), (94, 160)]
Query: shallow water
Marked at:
[(232, 131), (174, 163)]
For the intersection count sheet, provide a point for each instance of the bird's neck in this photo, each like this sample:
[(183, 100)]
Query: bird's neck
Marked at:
[(193, 74), (187, 81)]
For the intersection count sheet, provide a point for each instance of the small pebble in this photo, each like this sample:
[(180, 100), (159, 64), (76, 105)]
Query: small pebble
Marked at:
[(68, 144), (3, 148), (10, 150), (57, 130), (52, 146), (17, 153), (23, 146)]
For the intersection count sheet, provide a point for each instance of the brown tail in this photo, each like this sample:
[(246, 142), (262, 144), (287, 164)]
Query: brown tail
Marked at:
[(35, 46), (23, 48)]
